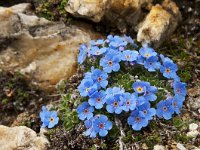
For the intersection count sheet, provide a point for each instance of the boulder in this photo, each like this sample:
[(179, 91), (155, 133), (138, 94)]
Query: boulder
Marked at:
[(44, 51), (159, 24), (21, 138), (115, 12), (89, 9)]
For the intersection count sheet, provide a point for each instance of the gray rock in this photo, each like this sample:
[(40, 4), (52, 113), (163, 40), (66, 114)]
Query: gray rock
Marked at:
[(21, 138), (44, 51)]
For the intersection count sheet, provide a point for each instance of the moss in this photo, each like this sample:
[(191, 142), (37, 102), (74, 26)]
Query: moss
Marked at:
[(53, 10), (183, 138), (129, 137), (153, 140), (178, 122)]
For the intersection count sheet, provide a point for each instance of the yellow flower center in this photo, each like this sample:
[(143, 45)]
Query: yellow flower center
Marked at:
[(139, 89), (51, 119), (87, 89), (167, 70), (128, 56), (99, 79), (110, 63), (115, 104), (147, 55), (137, 119)]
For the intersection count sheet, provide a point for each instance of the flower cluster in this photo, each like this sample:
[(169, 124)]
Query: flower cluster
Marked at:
[(112, 53), (49, 118)]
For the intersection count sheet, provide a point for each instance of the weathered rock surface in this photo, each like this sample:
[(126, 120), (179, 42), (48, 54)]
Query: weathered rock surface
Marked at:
[(125, 12), (92, 10), (160, 23), (21, 138), (193, 101), (116, 12), (44, 50)]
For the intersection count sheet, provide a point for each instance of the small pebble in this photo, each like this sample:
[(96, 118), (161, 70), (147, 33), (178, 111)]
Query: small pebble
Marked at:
[(193, 126), (180, 146), (193, 133), (159, 147)]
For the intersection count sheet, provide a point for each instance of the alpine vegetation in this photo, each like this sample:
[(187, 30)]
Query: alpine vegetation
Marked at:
[(121, 77)]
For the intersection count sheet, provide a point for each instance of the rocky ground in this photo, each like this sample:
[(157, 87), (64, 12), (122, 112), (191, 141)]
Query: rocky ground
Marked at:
[(35, 54)]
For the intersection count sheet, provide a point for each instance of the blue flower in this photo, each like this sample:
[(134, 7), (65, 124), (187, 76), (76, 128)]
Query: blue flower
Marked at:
[(96, 51), (137, 120), (87, 87), (98, 99), (140, 59), (90, 129), (139, 99), (165, 109), (129, 55), (117, 43), (139, 87), (100, 78), (114, 104), (110, 92), (84, 111), (152, 63), (180, 88), (82, 53), (177, 103), (169, 69), (130, 40), (150, 92), (129, 101), (97, 42), (147, 52), (49, 118), (110, 63), (147, 111), (110, 38), (164, 59), (102, 125)]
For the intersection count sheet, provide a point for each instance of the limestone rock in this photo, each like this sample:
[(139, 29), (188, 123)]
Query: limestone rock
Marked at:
[(159, 23), (45, 51), (21, 138), (116, 12), (90, 9)]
